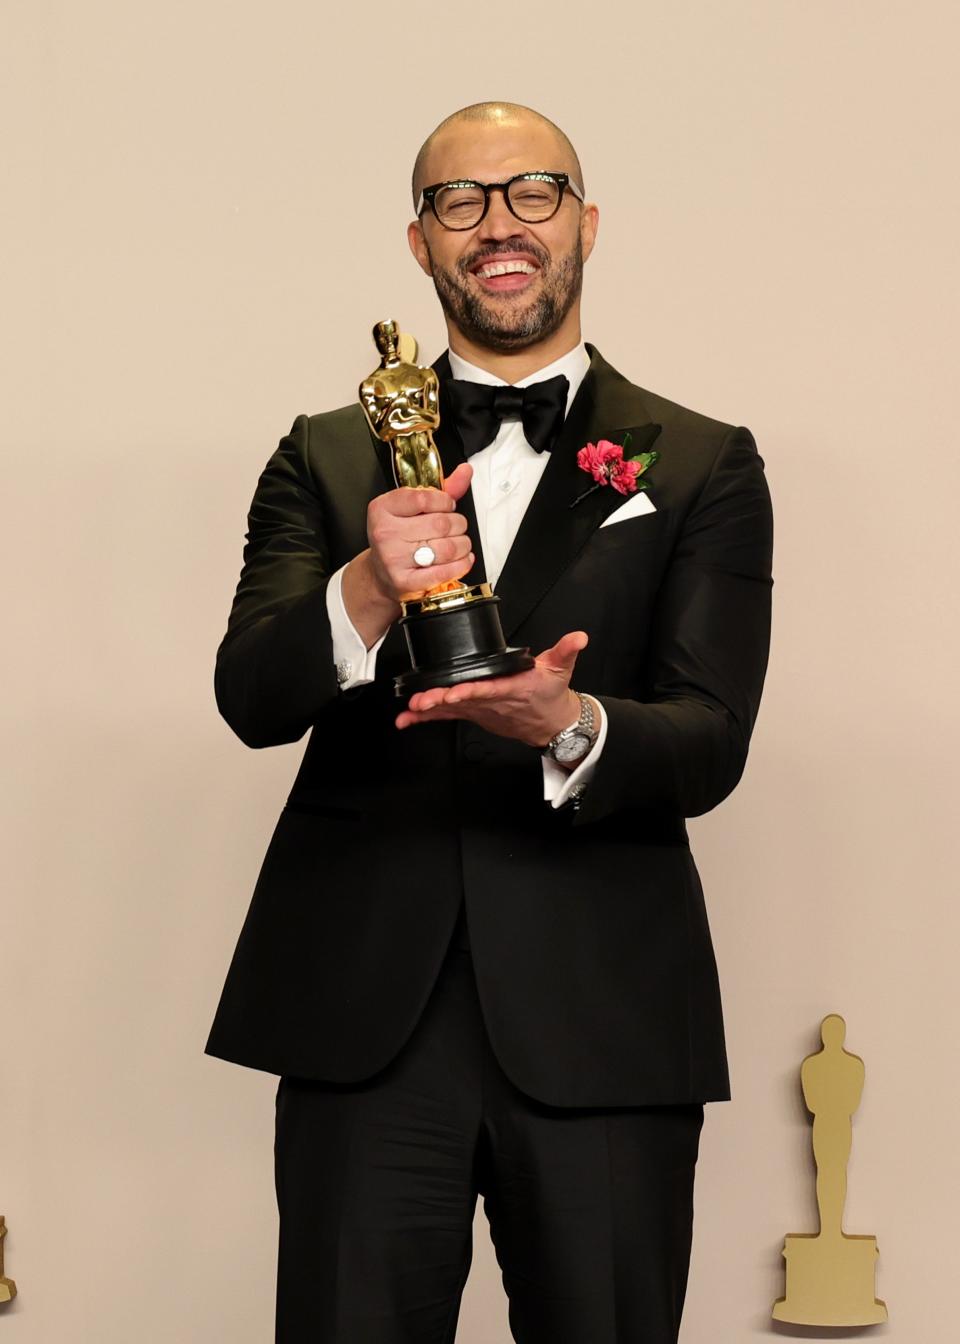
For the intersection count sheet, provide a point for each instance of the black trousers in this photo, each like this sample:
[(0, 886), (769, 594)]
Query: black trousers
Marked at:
[(590, 1210)]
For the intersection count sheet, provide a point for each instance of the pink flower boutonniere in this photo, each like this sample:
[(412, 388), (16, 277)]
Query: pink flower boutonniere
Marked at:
[(606, 463)]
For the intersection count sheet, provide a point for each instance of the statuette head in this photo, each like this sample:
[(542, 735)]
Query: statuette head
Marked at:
[(386, 335), (833, 1031)]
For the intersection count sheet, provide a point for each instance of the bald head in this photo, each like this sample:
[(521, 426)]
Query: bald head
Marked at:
[(488, 117)]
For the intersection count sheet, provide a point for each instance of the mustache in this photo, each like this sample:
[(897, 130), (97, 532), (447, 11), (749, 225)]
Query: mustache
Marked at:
[(509, 246)]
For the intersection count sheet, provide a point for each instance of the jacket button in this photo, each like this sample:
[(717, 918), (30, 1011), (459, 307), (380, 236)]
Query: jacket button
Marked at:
[(475, 751)]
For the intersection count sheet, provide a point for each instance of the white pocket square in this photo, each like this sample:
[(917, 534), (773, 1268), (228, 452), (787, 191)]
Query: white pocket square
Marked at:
[(640, 503)]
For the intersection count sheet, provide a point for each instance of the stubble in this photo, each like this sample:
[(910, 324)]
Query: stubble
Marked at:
[(510, 322)]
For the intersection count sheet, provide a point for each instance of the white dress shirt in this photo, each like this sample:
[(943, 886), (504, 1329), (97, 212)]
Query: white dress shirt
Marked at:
[(505, 476)]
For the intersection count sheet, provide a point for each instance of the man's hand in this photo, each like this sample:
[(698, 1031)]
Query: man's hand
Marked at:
[(398, 522), (531, 706)]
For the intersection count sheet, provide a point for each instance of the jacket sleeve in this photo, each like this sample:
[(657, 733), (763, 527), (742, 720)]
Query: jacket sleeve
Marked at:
[(275, 667), (683, 745)]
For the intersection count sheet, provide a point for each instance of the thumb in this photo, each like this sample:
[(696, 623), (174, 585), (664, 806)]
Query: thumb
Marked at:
[(458, 482), (563, 656)]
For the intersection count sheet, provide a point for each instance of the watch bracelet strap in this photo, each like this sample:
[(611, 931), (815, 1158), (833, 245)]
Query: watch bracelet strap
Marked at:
[(587, 722)]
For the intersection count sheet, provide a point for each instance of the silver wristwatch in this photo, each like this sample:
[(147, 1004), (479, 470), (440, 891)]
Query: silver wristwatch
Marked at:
[(571, 744)]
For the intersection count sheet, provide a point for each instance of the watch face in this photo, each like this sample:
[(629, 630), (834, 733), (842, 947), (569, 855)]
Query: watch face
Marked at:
[(572, 749)]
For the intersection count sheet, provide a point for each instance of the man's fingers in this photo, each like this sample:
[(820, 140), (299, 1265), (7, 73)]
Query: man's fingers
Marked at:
[(399, 554), (407, 717), (491, 688), (416, 527), (408, 500), (441, 524), (563, 656), (469, 709), (422, 701), (504, 689), (432, 699), (458, 482), (419, 580)]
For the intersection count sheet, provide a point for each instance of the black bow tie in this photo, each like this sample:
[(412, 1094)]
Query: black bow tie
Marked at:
[(480, 409)]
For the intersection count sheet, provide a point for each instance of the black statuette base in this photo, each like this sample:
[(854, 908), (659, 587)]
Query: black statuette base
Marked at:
[(458, 643)]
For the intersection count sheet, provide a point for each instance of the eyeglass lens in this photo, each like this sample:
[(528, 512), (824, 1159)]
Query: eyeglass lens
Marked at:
[(532, 199)]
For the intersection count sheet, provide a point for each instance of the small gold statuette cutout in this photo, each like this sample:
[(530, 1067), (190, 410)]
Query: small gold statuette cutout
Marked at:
[(8, 1289), (831, 1277)]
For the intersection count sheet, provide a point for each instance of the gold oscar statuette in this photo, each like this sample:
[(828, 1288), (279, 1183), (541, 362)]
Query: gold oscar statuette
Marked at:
[(831, 1276), (452, 630)]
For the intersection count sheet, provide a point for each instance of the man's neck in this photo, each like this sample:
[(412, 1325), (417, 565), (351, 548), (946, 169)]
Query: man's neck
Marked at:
[(514, 365)]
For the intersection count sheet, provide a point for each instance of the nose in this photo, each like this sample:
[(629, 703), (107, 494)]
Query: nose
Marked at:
[(498, 223)]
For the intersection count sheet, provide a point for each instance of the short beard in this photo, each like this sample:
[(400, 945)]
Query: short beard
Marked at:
[(518, 326)]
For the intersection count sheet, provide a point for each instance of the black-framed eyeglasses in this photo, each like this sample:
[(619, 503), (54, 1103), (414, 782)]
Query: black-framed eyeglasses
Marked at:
[(532, 197)]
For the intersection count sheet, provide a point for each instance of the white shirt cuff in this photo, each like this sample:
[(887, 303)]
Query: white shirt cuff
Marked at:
[(356, 664), (560, 785)]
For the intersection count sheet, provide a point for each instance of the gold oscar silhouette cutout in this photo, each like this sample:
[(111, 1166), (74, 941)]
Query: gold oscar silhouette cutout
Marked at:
[(831, 1277), (8, 1289)]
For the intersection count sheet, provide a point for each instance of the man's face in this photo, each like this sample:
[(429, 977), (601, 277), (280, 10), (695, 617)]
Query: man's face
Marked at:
[(521, 308)]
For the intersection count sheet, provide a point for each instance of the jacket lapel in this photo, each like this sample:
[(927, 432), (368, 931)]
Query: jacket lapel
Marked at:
[(450, 445), (552, 533)]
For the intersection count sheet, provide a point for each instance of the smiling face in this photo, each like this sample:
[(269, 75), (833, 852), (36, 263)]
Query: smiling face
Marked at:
[(505, 286)]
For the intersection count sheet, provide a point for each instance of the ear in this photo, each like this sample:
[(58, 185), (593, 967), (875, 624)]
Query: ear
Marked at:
[(589, 223), (418, 246)]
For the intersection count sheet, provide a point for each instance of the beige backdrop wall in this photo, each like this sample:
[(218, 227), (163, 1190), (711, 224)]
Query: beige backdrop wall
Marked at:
[(205, 206)]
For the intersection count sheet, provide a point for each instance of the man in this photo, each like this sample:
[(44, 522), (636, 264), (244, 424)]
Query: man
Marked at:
[(478, 952)]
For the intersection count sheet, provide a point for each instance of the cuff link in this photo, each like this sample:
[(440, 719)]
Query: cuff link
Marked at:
[(570, 806)]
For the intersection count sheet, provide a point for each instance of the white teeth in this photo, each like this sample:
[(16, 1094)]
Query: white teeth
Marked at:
[(506, 268)]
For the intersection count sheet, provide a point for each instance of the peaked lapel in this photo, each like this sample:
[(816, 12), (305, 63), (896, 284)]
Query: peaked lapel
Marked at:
[(450, 445), (552, 533)]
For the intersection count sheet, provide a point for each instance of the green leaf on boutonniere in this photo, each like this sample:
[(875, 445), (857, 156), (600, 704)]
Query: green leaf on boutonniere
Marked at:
[(644, 460)]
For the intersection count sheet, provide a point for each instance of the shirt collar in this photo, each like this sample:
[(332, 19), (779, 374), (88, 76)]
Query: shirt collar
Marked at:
[(573, 365)]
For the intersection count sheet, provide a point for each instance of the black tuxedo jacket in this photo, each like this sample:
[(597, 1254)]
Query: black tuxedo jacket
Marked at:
[(587, 924)]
